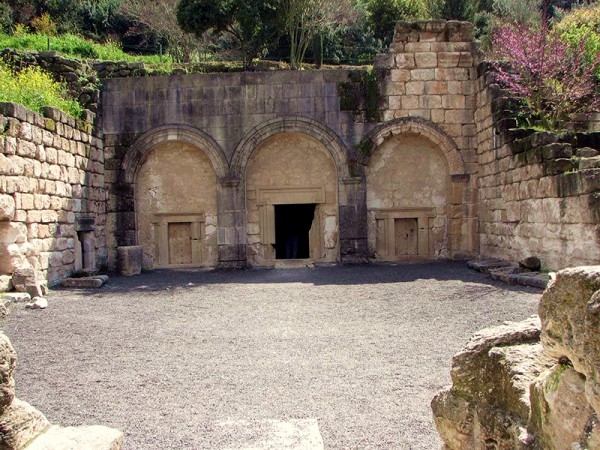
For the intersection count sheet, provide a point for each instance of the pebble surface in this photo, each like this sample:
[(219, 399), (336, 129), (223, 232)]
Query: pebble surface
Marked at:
[(168, 357)]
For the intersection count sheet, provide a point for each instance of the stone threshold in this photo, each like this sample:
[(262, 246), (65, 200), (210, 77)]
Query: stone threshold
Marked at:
[(96, 281), (509, 272)]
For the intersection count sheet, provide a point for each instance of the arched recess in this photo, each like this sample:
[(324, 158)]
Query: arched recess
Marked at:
[(296, 124), (182, 133), (171, 174), (416, 192), (292, 170), (420, 127)]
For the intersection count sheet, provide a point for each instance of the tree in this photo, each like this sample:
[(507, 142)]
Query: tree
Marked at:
[(457, 10), (554, 80), (306, 20), (254, 24), (383, 15), (160, 16)]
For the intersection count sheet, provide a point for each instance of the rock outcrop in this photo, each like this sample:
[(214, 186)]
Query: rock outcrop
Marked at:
[(533, 384)]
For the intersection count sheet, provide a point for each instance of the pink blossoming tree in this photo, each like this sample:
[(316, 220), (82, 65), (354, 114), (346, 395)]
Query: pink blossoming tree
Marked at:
[(555, 80)]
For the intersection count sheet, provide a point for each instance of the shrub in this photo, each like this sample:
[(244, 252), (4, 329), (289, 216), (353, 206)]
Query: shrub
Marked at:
[(554, 80), (35, 89), (582, 24), (44, 25)]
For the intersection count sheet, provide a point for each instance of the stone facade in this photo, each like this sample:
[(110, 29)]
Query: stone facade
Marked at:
[(531, 385), (336, 140), (51, 194), (412, 159)]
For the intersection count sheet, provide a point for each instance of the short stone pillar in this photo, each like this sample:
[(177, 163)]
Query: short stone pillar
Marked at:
[(130, 260)]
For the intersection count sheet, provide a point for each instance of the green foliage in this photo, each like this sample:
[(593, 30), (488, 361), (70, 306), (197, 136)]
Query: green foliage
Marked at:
[(73, 46), (456, 10), (382, 15), (5, 17), (255, 24), (35, 89), (582, 26), (44, 25)]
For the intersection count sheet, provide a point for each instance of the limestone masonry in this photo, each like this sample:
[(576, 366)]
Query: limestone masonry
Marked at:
[(413, 159)]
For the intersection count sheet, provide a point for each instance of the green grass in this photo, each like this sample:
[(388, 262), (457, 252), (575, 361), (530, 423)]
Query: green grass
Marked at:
[(75, 46), (34, 88)]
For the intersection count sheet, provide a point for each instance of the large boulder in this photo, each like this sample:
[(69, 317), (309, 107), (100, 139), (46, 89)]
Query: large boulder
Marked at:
[(488, 402), (20, 424), (8, 362), (570, 314), (560, 414)]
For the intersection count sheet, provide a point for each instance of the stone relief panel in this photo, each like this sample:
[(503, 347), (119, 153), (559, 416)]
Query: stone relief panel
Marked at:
[(176, 207), (285, 170), (407, 190)]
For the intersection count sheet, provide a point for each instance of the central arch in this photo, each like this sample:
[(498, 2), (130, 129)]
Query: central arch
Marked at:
[(292, 169)]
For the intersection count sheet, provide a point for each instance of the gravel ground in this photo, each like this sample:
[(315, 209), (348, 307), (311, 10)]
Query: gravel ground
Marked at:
[(168, 356)]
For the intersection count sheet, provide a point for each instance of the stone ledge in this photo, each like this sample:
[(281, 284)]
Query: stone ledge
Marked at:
[(86, 282), (510, 273)]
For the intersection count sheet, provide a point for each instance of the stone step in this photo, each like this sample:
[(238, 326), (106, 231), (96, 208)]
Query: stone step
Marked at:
[(487, 264), (86, 282), (94, 437)]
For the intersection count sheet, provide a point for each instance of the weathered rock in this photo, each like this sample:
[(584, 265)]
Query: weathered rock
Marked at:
[(570, 313), (561, 416), (532, 263), (130, 260), (40, 303), (16, 297), (95, 437), (8, 361), (489, 400), (6, 283), (20, 424), (25, 279), (485, 265), (86, 282)]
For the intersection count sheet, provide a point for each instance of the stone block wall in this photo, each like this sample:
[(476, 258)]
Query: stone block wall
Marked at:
[(539, 194), (51, 191)]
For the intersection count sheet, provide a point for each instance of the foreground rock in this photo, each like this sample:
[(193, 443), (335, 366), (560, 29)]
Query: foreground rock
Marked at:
[(533, 384), (23, 426)]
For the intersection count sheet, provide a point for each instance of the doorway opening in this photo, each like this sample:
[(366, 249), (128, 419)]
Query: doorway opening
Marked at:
[(292, 227)]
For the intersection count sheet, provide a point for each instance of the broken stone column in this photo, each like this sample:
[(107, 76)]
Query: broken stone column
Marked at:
[(130, 260)]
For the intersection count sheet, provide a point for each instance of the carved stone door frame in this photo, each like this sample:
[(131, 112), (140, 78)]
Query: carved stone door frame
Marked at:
[(269, 196), (386, 242), (161, 223)]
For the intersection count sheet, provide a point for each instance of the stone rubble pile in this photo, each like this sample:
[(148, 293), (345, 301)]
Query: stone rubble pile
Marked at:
[(534, 384)]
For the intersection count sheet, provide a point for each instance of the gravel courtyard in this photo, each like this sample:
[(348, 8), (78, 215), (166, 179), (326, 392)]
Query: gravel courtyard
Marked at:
[(205, 359)]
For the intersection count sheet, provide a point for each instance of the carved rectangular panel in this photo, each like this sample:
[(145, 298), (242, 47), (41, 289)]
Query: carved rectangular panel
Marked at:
[(180, 243), (406, 237)]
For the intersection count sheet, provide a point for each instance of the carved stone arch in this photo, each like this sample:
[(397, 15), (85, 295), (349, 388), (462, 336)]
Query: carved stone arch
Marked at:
[(304, 125), (171, 133), (421, 127)]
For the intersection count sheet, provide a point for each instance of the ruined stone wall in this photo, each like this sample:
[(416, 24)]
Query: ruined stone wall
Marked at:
[(531, 385), (539, 194), (52, 176), (80, 77)]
